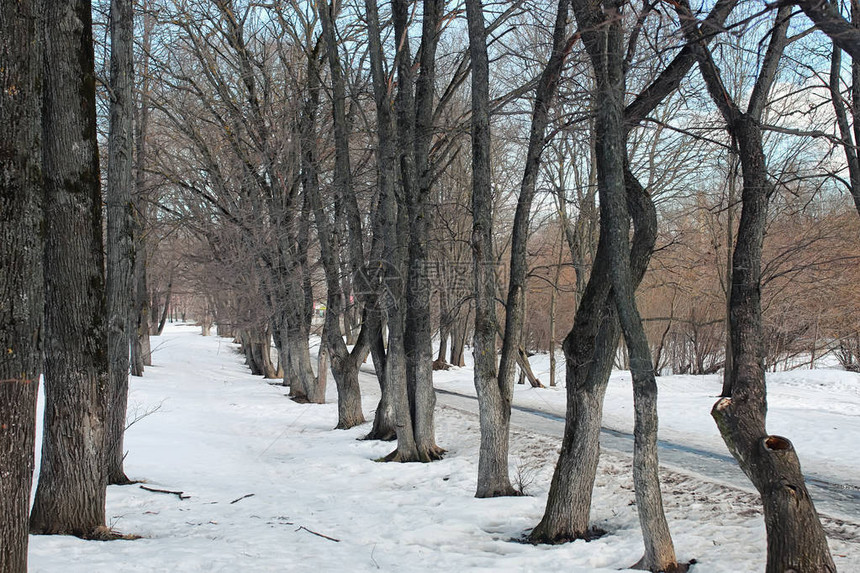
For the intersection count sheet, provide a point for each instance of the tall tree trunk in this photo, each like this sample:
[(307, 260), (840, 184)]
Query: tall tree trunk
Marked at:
[(141, 351), (21, 270), (344, 365), (70, 497), (494, 399), (392, 230), (795, 538), (459, 328), (414, 107), (495, 391), (120, 237)]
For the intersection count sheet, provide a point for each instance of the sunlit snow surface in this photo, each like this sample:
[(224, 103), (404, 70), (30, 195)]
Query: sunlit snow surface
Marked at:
[(221, 434)]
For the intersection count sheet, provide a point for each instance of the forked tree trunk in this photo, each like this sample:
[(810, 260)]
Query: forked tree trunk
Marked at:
[(414, 107), (120, 236), (21, 270), (590, 345), (611, 157), (70, 497), (795, 537), (495, 389)]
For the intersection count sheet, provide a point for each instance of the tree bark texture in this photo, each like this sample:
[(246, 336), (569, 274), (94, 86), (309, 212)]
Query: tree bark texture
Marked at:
[(70, 497), (120, 239), (21, 271)]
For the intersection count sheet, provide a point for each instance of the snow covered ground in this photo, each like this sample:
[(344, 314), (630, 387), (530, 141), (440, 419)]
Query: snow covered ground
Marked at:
[(273, 488), (818, 410)]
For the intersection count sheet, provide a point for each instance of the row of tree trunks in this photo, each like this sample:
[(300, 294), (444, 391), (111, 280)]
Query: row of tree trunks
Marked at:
[(257, 347), (21, 270), (70, 496)]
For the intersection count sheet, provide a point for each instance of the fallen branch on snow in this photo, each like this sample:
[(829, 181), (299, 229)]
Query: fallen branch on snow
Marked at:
[(243, 497), (179, 494)]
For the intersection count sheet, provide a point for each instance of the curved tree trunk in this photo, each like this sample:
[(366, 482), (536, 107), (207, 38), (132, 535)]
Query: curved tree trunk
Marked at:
[(590, 346), (611, 156), (795, 537), (70, 497), (589, 349), (21, 270)]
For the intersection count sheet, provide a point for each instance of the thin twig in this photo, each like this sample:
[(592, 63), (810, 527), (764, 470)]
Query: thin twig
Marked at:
[(318, 534), (243, 497)]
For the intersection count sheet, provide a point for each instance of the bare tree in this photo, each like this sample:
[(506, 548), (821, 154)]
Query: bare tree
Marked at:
[(590, 346), (120, 239), (795, 538), (70, 497), (495, 390)]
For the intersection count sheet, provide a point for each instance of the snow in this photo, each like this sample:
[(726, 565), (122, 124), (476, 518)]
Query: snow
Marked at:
[(218, 434), (818, 410)]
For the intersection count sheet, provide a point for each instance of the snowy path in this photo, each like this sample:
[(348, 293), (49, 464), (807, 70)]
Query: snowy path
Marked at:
[(221, 434), (832, 497)]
